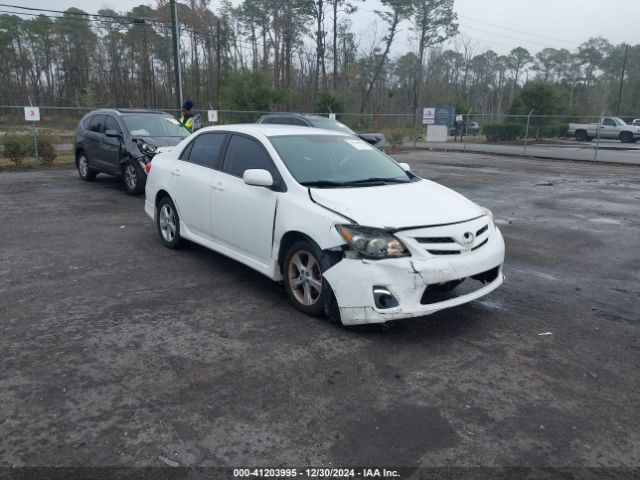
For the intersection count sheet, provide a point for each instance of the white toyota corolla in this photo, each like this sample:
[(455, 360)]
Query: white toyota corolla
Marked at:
[(351, 233)]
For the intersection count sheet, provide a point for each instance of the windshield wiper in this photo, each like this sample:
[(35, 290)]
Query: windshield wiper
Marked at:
[(323, 183), (379, 180)]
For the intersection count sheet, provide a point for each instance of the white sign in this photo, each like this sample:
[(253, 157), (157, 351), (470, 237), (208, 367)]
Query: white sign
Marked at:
[(332, 116), (428, 116), (459, 118), (32, 114), (212, 115)]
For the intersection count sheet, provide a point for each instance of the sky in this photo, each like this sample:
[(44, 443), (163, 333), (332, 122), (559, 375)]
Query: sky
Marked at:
[(499, 25)]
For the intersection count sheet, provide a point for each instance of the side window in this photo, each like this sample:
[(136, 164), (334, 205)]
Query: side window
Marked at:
[(112, 124), (97, 123), (205, 149), (269, 120), (298, 121), (243, 154), (282, 120), (609, 123)]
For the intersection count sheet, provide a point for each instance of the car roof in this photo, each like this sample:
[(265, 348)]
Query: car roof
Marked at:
[(270, 130), (127, 111), (295, 114)]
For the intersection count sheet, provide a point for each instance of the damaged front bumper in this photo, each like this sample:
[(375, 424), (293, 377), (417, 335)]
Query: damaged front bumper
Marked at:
[(414, 284)]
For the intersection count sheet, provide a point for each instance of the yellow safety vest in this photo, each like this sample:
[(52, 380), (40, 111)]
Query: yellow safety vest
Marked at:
[(188, 122)]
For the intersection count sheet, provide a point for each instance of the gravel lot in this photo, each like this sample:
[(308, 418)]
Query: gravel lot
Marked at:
[(116, 351)]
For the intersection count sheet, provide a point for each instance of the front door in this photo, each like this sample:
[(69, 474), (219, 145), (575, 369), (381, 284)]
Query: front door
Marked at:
[(243, 214)]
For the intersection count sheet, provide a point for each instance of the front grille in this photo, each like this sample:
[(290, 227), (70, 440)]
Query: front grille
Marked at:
[(444, 240), (441, 292), (478, 246), (435, 240)]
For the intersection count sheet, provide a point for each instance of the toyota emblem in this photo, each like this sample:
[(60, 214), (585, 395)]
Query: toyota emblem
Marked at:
[(467, 239)]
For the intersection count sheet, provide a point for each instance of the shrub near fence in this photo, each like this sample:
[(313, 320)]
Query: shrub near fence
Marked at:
[(497, 132), (19, 148)]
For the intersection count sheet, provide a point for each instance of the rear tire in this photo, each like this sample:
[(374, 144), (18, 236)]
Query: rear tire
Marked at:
[(85, 173), (133, 177), (168, 223), (581, 136)]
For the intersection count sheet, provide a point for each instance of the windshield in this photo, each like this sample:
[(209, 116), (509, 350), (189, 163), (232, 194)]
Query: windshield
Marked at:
[(329, 124), (154, 126), (334, 161), (619, 121)]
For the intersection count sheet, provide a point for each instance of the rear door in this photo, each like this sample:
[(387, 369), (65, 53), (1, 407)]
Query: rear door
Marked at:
[(242, 214), (193, 177)]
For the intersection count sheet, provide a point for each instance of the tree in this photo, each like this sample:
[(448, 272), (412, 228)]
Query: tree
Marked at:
[(398, 10)]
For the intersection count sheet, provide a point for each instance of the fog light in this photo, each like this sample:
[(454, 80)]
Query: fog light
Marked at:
[(383, 298)]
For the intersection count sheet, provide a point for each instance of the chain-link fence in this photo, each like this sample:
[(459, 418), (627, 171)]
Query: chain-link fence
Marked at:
[(51, 139)]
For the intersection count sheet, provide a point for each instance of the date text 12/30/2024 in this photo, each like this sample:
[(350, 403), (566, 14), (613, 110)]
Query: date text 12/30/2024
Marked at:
[(315, 473)]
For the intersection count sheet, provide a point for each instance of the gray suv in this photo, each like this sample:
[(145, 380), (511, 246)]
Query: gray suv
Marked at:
[(122, 143), (319, 121)]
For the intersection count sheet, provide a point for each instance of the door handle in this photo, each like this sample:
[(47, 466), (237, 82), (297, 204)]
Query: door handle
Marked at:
[(176, 172), (218, 186)]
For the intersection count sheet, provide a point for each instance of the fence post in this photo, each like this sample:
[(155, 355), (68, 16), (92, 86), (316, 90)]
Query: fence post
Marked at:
[(526, 133), (35, 141), (595, 155), (466, 131)]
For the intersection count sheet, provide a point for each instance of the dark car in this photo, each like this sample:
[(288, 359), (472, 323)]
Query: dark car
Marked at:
[(472, 129), (318, 121), (123, 142)]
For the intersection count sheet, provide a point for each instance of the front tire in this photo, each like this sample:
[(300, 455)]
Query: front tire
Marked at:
[(85, 173), (133, 177), (168, 223), (626, 137), (303, 280)]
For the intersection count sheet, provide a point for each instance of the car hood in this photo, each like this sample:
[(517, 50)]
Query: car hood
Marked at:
[(415, 204)]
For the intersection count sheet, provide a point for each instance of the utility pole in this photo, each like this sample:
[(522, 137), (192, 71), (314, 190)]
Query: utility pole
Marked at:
[(624, 66), (176, 56), (218, 75)]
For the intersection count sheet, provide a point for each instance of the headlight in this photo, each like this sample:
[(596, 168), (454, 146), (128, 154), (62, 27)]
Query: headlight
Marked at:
[(146, 148), (372, 242)]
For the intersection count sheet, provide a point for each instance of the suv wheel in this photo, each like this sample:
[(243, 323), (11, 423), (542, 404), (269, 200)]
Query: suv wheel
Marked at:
[(133, 177), (85, 173)]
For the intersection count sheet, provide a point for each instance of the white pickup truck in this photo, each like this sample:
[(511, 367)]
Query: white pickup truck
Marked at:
[(610, 127)]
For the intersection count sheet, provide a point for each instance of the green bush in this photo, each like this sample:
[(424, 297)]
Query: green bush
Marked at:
[(46, 151), (17, 149), (553, 131), (497, 132), (395, 138)]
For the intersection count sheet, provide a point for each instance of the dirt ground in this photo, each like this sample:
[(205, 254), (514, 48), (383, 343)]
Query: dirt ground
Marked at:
[(118, 352)]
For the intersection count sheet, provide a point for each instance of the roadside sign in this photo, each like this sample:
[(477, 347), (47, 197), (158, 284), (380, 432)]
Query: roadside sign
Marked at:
[(459, 118), (212, 115), (32, 114), (428, 116), (332, 116)]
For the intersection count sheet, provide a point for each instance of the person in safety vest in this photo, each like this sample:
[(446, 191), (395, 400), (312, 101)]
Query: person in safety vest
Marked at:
[(187, 117)]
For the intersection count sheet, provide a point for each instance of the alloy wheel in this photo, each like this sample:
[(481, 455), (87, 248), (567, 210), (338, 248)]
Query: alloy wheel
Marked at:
[(167, 222), (130, 176), (305, 278)]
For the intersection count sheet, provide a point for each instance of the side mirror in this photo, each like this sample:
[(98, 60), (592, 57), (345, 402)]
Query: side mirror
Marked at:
[(405, 167), (112, 133), (257, 177)]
